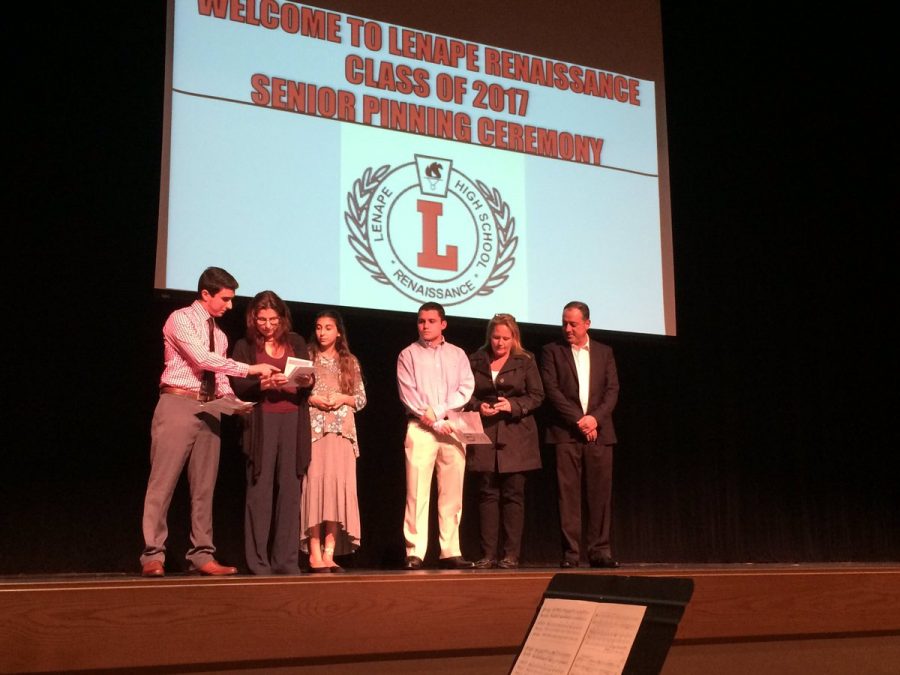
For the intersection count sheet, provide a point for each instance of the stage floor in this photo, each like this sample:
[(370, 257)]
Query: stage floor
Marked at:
[(186, 623), (431, 569)]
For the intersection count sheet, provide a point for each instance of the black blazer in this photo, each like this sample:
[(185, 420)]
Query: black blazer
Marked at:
[(561, 386), (247, 389), (514, 434)]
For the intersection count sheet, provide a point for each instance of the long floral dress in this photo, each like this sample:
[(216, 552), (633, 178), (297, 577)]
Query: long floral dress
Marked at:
[(329, 486)]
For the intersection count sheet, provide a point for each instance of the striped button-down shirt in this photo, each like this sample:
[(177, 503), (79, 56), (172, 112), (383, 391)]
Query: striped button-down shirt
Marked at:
[(187, 353)]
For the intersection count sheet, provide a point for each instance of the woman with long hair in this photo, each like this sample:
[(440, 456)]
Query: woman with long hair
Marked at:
[(276, 438), (329, 512), (508, 390)]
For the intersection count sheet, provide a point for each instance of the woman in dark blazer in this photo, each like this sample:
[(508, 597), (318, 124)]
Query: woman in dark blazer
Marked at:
[(508, 390)]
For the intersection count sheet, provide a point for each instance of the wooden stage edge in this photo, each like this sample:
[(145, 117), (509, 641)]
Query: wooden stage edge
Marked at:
[(184, 624)]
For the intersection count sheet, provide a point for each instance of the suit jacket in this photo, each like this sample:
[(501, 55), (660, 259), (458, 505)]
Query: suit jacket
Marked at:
[(514, 434), (247, 389), (561, 386)]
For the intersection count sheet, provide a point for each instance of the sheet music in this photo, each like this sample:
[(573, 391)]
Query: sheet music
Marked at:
[(555, 637), (609, 638), (580, 637)]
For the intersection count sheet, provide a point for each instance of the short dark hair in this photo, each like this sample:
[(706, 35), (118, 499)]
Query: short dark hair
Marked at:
[(580, 306), (214, 279), (435, 307)]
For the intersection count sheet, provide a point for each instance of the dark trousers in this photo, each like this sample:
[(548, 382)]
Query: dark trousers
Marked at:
[(594, 462), (501, 497), (276, 488)]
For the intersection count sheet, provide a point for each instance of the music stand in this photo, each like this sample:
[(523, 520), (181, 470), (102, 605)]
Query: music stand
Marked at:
[(664, 600)]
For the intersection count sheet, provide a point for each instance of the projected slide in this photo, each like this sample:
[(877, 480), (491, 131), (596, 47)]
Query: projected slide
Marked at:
[(345, 161)]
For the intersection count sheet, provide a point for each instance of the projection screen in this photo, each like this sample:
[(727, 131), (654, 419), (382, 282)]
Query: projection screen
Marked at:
[(352, 162)]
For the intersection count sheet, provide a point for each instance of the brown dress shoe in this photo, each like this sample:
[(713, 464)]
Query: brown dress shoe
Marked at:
[(214, 569), (153, 568)]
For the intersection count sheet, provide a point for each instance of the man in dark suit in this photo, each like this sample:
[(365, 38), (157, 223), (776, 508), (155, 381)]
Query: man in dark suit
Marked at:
[(582, 386)]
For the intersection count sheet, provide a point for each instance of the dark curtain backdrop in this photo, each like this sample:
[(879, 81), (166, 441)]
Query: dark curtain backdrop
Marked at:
[(761, 433)]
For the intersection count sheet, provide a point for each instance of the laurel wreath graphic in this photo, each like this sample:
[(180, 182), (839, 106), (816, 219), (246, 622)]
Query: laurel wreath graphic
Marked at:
[(356, 218), (507, 241)]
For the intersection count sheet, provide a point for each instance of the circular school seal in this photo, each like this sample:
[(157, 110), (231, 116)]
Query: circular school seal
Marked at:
[(430, 231)]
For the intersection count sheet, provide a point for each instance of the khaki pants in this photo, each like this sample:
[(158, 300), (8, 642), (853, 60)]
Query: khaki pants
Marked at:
[(425, 452), (181, 434)]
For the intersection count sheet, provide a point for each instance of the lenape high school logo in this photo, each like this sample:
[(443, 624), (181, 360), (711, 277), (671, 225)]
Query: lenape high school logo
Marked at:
[(431, 232)]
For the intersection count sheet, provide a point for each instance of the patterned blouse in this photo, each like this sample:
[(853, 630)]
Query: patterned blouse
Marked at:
[(341, 421)]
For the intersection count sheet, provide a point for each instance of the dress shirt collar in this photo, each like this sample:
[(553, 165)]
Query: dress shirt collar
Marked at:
[(201, 310), (428, 345), (585, 346)]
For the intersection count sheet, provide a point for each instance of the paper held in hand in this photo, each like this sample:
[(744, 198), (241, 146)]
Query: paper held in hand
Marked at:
[(467, 427), (297, 368), (227, 406)]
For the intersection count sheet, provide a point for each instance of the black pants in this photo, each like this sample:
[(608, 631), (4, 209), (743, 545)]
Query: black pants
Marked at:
[(501, 496), (594, 462), (277, 482)]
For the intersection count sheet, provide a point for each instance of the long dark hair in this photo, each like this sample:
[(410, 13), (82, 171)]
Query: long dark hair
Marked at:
[(268, 300), (346, 360)]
